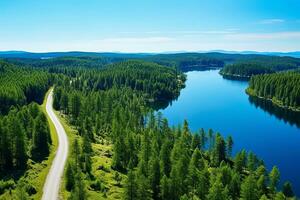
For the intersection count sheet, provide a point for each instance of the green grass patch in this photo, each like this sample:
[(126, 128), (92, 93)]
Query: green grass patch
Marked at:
[(101, 168)]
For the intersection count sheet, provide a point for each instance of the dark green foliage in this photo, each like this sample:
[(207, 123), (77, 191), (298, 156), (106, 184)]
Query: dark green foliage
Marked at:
[(20, 129), (70, 177), (260, 65), (41, 138), (287, 189), (283, 87), (274, 178), (19, 86), (249, 189), (245, 69), (130, 186)]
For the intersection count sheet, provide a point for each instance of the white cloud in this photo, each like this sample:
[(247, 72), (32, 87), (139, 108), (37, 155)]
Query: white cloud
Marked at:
[(271, 21), (134, 40), (265, 36), (200, 32), (196, 40)]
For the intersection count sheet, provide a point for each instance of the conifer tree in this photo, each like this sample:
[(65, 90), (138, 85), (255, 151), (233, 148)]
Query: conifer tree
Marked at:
[(249, 188), (130, 186)]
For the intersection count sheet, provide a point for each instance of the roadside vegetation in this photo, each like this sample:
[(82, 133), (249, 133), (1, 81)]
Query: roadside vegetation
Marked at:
[(28, 138)]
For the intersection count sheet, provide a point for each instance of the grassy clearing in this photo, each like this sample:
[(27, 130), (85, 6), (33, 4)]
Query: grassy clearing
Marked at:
[(101, 168), (37, 172), (102, 171)]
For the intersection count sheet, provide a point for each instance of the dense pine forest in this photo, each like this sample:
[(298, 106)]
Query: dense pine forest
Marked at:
[(282, 88), (149, 159), (121, 148), (260, 66), (24, 130), (19, 86)]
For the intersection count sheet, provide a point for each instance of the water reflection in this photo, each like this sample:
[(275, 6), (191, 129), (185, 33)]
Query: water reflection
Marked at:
[(288, 116)]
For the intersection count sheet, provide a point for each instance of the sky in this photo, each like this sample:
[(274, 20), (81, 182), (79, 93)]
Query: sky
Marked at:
[(149, 25)]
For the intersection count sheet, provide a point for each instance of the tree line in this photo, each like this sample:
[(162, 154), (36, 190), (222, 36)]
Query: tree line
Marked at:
[(282, 87), (260, 65)]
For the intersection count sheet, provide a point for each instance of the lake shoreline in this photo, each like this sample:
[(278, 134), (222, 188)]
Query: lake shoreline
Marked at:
[(234, 76), (275, 102)]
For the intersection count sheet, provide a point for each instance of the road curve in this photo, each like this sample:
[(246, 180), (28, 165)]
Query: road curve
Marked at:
[(52, 184)]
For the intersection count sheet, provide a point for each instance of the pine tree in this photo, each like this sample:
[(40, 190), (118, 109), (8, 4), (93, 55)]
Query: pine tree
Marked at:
[(6, 149), (219, 151), (203, 185), (240, 161), (41, 138), (196, 141), (20, 147), (203, 138), (165, 163), (64, 103), (165, 188), (75, 105), (287, 189), (249, 189), (130, 186), (261, 185), (118, 157), (217, 191), (274, 177), (154, 176), (76, 153), (79, 192), (234, 186), (144, 191), (70, 177), (229, 144)]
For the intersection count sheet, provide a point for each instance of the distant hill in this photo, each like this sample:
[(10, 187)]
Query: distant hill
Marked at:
[(24, 54), (295, 54), (182, 61)]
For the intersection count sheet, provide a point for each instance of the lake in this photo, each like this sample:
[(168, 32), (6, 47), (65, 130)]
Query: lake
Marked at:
[(273, 134)]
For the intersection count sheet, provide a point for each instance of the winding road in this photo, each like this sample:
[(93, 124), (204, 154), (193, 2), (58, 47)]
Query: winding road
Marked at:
[(52, 184)]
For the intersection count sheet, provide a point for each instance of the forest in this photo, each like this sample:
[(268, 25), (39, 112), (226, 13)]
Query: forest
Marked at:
[(24, 130), (234, 64), (282, 88), (263, 65), (149, 159), (120, 147), (20, 86)]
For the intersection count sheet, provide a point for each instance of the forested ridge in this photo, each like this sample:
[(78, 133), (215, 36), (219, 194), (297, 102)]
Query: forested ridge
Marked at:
[(261, 65), (149, 159), (282, 88)]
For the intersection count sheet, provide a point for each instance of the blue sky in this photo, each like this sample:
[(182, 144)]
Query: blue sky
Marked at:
[(149, 25)]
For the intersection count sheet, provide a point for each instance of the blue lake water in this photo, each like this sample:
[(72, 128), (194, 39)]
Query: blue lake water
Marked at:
[(209, 101)]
